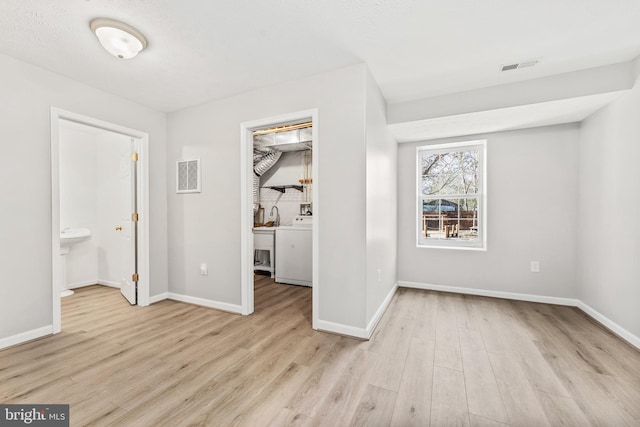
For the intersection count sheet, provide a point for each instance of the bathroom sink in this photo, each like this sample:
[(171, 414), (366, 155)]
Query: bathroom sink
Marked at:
[(70, 236)]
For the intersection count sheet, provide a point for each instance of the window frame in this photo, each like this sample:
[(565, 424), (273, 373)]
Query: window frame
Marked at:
[(481, 243)]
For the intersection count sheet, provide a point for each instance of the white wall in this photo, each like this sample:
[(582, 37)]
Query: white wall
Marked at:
[(576, 84), (28, 93), (609, 209), (78, 185), (532, 216), (381, 200), (205, 227), (77, 177), (287, 171)]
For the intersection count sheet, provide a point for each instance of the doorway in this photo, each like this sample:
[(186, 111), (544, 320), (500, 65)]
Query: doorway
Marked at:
[(247, 218), (132, 231)]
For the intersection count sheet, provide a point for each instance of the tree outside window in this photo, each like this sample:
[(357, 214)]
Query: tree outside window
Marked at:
[(451, 195)]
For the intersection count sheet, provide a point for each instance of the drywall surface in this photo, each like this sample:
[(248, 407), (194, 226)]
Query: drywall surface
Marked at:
[(381, 191), (205, 227), (532, 184), (576, 84), (78, 185), (25, 175), (609, 238), (287, 171)]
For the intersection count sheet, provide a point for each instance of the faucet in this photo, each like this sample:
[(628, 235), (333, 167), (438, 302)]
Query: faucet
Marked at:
[(276, 223)]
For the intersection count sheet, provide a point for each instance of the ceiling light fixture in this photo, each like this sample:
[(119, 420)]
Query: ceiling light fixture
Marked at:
[(119, 39)]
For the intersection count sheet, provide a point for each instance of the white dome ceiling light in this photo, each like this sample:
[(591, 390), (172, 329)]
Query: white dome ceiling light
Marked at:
[(119, 39)]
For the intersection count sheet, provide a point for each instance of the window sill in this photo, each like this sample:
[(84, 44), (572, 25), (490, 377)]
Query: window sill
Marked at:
[(459, 248)]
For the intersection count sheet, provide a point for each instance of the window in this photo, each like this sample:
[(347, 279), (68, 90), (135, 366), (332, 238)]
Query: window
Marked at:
[(451, 195)]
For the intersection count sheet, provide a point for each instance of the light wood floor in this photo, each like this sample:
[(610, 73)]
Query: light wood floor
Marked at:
[(435, 359)]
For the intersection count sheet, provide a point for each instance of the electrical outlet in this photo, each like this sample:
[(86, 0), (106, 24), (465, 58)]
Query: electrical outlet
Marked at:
[(203, 269), (535, 266)]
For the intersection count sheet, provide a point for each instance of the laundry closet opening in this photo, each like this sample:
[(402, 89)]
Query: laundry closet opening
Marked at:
[(282, 234)]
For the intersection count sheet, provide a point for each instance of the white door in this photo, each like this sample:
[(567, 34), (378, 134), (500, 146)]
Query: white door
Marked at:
[(128, 223)]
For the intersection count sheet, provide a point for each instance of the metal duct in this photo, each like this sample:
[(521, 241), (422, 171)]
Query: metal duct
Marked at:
[(265, 162), (262, 162), (285, 141), (256, 194)]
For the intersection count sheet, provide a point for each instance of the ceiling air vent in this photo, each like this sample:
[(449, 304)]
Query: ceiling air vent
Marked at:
[(509, 67), (518, 65)]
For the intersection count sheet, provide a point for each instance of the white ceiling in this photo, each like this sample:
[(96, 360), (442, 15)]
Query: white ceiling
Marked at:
[(201, 50)]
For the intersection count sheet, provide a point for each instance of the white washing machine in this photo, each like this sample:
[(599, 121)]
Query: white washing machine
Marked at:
[(294, 252)]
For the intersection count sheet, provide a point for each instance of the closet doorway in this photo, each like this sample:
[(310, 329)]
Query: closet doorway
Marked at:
[(247, 130)]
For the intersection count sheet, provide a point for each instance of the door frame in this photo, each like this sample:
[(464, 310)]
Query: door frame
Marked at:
[(246, 206), (58, 114)]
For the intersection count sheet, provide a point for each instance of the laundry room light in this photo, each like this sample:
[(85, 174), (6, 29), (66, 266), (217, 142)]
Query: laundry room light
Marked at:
[(119, 39)]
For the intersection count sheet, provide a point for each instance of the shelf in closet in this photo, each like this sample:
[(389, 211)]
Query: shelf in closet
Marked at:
[(283, 188)]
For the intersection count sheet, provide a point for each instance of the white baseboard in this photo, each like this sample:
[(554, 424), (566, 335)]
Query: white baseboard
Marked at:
[(26, 336), (158, 298), (610, 324), (82, 284), (495, 294), (86, 283), (572, 302), (383, 307), (109, 284), (232, 308), (341, 329), (352, 331)]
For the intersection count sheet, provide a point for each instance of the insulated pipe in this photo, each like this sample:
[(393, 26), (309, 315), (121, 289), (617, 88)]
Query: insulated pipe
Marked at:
[(262, 162), (256, 194), (265, 163)]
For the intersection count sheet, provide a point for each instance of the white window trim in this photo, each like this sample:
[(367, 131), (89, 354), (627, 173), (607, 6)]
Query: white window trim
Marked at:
[(481, 244)]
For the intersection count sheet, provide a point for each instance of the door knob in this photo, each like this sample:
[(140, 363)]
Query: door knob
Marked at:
[(118, 228)]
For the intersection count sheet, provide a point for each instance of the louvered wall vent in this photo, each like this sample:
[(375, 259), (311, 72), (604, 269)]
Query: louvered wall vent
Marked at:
[(188, 176), (518, 65)]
